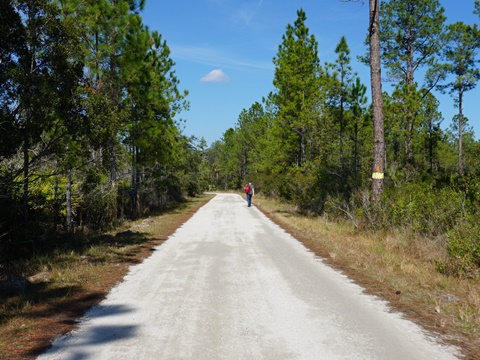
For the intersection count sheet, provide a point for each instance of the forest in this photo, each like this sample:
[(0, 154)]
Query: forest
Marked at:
[(89, 104), (88, 98)]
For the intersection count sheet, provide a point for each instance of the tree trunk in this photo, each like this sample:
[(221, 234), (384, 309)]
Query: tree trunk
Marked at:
[(341, 133), (244, 164), (355, 150), (342, 172), (460, 134), (409, 137), (113, 179), (56, 205), (68, 196), (377, 104), (303, 153), (134, 184), (113, 166), (430, 145), (26, 170)]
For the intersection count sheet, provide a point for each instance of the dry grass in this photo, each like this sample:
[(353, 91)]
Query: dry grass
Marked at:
[(397, 266)]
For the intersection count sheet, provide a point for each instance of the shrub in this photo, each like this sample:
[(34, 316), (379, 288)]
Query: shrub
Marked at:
[(464, 244), (424, 208), (99, 208), (309, 188), (98, 201)]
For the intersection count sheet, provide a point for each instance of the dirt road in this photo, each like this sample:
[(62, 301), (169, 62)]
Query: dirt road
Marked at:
[(230, 284)]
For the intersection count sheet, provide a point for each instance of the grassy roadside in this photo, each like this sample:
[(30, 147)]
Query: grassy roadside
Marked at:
[(69, 282), (397, 267)]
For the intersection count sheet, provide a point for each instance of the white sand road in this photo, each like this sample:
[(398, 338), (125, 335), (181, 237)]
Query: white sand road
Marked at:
[(230, 284)]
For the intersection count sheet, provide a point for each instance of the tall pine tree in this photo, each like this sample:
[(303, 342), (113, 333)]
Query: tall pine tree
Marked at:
[(461, 71), (297, 93), (411, 34)]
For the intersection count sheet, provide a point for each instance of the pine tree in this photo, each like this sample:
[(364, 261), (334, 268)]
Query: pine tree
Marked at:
[(105, 24), (424, 106), (297, 92), (12, 44), (42, 74), (460, 55), (411, 34), (374, 60), (342, 80), (251, 131), (152, 100), (358, 102)]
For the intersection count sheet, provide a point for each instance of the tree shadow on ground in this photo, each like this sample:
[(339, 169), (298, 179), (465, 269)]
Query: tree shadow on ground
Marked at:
[(92, 335)]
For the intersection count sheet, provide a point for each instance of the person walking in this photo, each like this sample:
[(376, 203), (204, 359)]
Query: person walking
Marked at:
[(249, 191)]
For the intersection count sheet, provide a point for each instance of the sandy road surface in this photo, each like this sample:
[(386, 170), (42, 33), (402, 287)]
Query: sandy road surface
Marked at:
[(230, 284)]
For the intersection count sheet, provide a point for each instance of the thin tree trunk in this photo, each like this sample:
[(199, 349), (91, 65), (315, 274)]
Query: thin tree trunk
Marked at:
[(244, 164), (25, 178), (377, 104), (355, 152), (430, 145), (341, 134), (302, 148), (342, 178), (409, 140), (56, 206), (68, 196), (409, 113), (113, 180), (113, 165), (342, 100), (460, 134), (134, 185)]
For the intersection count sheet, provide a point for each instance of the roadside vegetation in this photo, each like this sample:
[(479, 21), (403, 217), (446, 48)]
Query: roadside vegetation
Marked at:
[(395, 264)]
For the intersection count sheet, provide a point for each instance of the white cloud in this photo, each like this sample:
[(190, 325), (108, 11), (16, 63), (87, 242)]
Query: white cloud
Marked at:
[(217, 76), (213, 57), (248, 11)]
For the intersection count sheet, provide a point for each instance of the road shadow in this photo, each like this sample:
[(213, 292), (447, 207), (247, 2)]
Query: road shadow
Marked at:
[(90, 335)]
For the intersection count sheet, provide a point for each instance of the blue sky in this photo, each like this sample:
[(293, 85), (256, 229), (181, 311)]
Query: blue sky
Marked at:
[(223, 50)]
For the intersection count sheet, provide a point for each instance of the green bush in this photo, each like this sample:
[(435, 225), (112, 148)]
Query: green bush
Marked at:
[(98, 201), (99, 208), (424, 208), (309, 188), (464, 243)]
